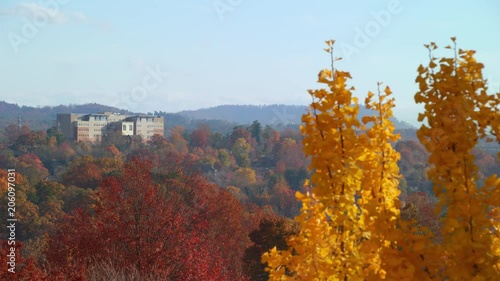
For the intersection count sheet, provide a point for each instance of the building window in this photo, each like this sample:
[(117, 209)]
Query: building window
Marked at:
[(124, 127), (130, 127)]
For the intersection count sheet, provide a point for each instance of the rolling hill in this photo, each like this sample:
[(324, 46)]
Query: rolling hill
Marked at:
[(221, 118), (266, 114)]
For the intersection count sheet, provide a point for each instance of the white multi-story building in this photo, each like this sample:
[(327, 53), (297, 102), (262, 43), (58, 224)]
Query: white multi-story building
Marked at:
[(92, 127)]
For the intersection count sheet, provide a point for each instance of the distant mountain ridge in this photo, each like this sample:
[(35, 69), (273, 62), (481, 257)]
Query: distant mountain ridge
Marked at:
[(41, 118), (266, 114)]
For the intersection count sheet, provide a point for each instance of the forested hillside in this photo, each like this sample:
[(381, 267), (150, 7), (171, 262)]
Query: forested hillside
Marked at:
[(234, 198), (265, 114), (342, 196), (220, 119), (41, 118)]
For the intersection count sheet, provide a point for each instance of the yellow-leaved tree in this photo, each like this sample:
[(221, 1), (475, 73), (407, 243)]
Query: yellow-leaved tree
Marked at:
[(460, 112), (350, 225), (330, 231)]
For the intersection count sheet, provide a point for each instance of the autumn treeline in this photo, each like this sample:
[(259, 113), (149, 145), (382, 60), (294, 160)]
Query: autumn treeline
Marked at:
[(191, 205), (119, 208)]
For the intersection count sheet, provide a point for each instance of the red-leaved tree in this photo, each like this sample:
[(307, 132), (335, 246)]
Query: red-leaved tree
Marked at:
[(177, 227)]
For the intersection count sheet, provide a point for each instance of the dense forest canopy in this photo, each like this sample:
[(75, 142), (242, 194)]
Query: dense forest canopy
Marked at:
[(217, 193)]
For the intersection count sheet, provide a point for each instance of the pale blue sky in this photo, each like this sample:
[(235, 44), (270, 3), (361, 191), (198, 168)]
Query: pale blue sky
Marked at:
[(226, 51)]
